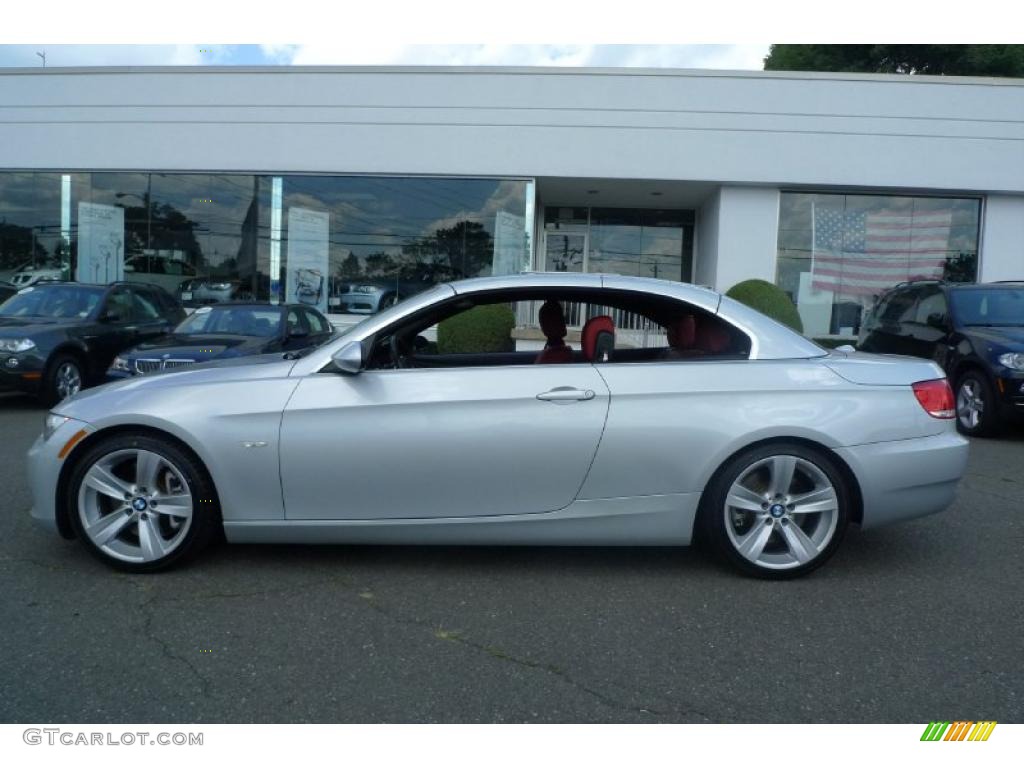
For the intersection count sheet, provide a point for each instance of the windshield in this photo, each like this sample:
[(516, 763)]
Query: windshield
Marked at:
[(233, 321), (68, 301), (989, 306)]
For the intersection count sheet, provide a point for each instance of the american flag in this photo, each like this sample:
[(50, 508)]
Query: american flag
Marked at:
[(862, 254)]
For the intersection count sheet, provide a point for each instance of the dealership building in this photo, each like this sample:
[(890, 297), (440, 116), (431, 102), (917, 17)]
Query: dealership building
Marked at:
[(351, 187)]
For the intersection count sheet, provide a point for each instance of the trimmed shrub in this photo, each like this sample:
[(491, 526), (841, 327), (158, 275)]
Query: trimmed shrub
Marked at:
[(768, 299), (487, 328)]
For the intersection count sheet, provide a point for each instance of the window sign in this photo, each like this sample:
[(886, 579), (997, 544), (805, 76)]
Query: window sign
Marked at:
[(100, 243), (306, 280)]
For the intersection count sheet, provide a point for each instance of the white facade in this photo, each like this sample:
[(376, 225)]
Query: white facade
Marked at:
[(722, 144)]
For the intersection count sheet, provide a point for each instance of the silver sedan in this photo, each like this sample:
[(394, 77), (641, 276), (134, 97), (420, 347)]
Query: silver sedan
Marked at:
[(539, 409)]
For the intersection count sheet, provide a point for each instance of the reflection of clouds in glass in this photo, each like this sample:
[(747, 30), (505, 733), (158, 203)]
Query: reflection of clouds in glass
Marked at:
[(509, 195)]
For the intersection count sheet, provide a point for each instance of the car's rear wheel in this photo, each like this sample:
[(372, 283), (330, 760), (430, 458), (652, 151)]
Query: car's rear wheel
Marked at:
[(776, 511), (140, 503), (975, 405)]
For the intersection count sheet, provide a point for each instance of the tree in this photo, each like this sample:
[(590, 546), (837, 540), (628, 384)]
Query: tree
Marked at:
[(977, 60)]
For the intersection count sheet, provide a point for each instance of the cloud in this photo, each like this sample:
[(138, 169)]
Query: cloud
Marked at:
[(372, 52), (660, 56), (114, 55)]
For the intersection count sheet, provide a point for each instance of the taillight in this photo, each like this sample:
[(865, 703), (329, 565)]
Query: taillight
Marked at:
[(936, 397)]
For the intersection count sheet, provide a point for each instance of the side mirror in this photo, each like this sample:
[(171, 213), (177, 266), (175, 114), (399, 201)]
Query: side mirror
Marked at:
[(349, 359)]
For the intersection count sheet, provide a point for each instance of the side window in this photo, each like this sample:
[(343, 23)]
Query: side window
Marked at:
[(172, 267), (294, 322), (931, 305), (572, 328), (145, 307), (119, 303), (899, 308), (317, 323)]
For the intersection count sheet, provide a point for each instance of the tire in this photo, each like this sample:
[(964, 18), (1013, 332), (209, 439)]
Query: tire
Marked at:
[(64, 376), (976, 406), (126, 522), (734, 516), (388, 300)]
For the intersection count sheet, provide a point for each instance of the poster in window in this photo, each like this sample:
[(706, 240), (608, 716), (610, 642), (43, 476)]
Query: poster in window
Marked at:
[(509, 244), (100, 243), (306, 280)]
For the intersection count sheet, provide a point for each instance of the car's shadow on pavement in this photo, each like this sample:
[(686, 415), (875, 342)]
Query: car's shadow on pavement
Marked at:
[(16, 401)]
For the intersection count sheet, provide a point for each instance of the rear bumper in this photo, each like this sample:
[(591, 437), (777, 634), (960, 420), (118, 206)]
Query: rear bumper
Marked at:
[(904, 479)]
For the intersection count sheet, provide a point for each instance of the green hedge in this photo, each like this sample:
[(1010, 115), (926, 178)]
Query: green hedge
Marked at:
[(768, 299), (486, 328)]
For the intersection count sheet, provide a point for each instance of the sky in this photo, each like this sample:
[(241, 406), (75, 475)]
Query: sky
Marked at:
[(375, 53)]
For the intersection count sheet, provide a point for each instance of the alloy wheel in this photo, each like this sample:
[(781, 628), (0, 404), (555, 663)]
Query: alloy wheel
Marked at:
[(970, 404), (781, 512), (135, 505), (67, 380)]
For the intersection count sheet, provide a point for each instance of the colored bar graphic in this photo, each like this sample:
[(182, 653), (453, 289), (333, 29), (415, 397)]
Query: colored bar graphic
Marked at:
[(959, 730)]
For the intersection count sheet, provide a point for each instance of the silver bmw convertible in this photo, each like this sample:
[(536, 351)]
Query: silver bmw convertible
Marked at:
[(538, 409)]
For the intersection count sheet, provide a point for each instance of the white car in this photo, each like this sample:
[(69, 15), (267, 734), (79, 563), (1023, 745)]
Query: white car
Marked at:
[(32, 275)]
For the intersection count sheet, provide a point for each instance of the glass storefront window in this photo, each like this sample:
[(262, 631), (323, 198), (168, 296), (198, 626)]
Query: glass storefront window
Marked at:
[(838, 253), (343, 243), (31, 234), (624, 241)]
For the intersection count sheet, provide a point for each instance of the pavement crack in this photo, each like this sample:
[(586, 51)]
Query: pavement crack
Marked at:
[(501, 655), (146, 607)]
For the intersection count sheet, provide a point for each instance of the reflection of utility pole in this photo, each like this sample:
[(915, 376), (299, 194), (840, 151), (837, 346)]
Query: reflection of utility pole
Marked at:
[(43, 57)]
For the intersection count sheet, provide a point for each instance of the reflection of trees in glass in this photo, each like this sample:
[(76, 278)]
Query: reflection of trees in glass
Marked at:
[(349, 267), (466, 248), (19, 244), (962, 268), (168, 229)]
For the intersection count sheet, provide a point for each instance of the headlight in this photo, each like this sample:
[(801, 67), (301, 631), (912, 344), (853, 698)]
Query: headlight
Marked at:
[(365, 289), (220, 286), (120, 364), (52, 424), (16, 345), (1013, 360)]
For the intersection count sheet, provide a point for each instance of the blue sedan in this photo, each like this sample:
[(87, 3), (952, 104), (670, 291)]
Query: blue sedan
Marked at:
[(225, 331)]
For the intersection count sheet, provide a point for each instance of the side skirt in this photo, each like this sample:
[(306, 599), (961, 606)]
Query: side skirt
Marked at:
[(636, 521)]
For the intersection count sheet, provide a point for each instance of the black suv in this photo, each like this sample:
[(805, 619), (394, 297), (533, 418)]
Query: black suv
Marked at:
[(56, 338), (974, 331)]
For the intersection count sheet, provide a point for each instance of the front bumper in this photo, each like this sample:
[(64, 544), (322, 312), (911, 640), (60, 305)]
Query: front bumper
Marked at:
[(44, 466), (23, 375), (904, 479)]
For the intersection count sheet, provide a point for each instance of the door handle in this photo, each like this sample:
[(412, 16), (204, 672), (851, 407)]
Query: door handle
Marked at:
[(566, 395)]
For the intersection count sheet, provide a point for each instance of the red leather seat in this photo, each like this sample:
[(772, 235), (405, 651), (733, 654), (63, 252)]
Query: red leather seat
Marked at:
[(598, 339)]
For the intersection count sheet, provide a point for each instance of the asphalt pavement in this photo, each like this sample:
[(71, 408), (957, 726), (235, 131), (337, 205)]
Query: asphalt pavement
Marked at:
[(912, 623)]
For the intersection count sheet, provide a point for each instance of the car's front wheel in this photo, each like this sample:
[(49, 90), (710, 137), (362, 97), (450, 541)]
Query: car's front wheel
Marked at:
[(776, 511), (140, 503), (64, 377), (975, 405)]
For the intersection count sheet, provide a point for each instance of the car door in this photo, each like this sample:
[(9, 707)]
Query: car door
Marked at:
[(150, 321), (440, 442), (115, 330)]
